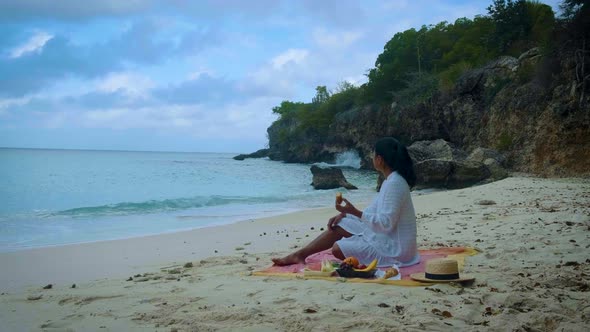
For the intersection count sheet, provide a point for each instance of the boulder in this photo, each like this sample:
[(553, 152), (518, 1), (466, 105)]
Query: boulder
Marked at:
[(469, 81), (493, 160), (449, 173), (329, 178), (438, 163), (482, 154), (474, 81), (467, 173), (433, 172), (504, 63), (533, 53), (437, 149), (497, 172)]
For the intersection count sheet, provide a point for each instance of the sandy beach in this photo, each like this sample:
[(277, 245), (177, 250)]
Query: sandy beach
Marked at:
[(532, 273)]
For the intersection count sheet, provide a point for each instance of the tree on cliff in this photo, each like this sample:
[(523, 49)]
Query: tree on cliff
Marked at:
[(321, 96), (520, 25)]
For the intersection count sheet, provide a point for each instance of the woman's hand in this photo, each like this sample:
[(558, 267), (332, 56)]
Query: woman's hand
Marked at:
[(348, 208), (333, 222)]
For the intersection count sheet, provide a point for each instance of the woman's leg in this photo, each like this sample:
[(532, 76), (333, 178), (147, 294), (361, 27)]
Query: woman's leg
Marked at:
[(324, 241)]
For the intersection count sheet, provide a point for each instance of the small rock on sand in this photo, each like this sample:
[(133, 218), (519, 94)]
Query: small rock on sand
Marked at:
[(34, 297), (49, 286), (486, 202)]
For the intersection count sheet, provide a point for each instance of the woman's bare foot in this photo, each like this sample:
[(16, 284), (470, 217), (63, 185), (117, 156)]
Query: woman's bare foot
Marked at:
[(288, 260)]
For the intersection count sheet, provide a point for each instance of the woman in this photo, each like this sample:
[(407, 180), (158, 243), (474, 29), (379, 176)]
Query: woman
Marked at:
[(386, 229)]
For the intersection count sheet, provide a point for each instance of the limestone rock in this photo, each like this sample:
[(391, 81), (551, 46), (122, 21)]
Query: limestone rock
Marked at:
[(467, 173), (437, 149), (534, 52), (433, 172), (507, 63), (497, 172), (439, 163), (329, 178), (482, 154), (469, 81), (258, 154)]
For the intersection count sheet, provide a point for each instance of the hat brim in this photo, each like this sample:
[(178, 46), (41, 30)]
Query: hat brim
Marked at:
[(422, 277)]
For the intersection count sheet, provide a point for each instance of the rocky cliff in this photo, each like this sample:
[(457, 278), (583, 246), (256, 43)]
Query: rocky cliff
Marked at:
[(529, 108)]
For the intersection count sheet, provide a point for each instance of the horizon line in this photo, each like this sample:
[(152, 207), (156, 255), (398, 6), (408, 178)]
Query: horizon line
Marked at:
[(110, 150)]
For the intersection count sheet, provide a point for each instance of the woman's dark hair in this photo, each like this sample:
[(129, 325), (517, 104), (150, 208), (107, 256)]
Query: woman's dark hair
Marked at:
[(396, 156)]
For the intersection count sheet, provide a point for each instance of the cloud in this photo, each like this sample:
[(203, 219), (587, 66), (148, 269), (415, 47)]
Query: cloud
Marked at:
[(337, 13), (335, 40), (69, 9), (204, 89), (34, 44), (238, 120), (295, 56), (58, 57), (75, 10), (131, 84)]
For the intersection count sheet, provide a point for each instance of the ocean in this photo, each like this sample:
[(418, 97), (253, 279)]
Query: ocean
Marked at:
[(57, 197)]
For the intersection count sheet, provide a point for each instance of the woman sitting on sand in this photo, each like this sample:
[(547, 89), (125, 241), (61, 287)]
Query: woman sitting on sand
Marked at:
[(386, 229)]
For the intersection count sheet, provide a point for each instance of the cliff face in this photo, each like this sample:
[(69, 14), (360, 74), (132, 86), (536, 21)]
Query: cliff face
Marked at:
[(527, 108)]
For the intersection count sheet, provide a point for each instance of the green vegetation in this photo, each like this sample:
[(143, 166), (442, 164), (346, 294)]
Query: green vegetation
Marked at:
[(416, 65)]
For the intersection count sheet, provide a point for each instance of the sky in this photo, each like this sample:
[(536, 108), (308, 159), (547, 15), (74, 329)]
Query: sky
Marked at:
[(180, 75)]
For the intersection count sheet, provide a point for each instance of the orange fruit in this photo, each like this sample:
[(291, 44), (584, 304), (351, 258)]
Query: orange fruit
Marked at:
[(352, 261)]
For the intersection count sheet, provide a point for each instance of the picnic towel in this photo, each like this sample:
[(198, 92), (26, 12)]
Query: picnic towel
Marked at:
[(313, 262)]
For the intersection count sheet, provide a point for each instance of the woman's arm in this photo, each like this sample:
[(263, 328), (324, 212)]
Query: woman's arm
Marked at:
[(348, 208)]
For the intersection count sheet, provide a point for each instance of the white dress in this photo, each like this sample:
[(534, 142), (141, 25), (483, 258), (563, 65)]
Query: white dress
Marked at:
[(386, 229)]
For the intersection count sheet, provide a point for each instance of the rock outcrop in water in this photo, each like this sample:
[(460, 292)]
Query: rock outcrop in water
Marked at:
[(329, 178), (262, 153)]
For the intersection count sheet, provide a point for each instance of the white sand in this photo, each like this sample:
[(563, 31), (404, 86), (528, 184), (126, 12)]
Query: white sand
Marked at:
[(533, 273)]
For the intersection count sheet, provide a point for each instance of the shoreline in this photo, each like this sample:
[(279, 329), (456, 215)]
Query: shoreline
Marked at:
[(172, 246), (259, 216), (532, 272), (262, 216)]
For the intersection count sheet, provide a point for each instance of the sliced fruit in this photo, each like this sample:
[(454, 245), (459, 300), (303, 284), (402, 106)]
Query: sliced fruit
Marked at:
[(338, 198), (314, 273), (370, 267), (327, 266), (352, 261)]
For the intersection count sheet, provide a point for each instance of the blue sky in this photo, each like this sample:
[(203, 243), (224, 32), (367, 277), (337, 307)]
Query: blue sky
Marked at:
[(182, 75)]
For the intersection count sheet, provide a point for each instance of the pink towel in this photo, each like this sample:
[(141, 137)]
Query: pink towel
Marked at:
[(314, 261)]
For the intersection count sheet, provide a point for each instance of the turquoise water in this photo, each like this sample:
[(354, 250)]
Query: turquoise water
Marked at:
[(55, 197)]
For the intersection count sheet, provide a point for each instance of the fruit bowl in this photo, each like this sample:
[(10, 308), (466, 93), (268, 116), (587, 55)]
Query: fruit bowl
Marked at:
[(348, 273)]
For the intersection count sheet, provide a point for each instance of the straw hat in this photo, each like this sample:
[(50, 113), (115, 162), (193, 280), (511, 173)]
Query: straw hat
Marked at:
[(441, 270)]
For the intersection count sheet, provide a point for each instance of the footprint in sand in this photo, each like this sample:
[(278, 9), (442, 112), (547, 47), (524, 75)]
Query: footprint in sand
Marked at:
[(284, 300), (61, 326)]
